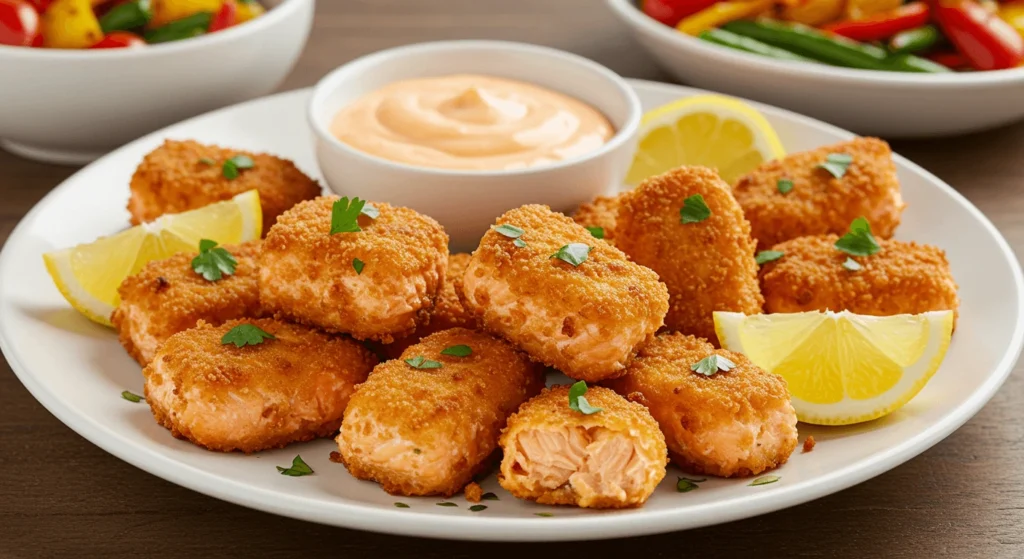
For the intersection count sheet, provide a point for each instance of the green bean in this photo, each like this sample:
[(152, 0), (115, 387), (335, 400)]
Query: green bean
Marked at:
[(746, 44), (812, 43), (184, 28), (126, 16), (915, 40), (911, 63)]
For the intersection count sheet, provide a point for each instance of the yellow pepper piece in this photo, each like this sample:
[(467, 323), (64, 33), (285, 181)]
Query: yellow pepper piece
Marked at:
[(816, 12), (249, 10), (721, 13), (70, 24), (166, 11), (860, 9), (1013, 13)]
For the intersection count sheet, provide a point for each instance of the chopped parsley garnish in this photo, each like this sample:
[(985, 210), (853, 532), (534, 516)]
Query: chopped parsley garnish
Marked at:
[(478, 508), (577, 400), (685, 485), (519, 243), (420, 362), (370, 211), (416, 451), (298, 469), (694, 210), (213, 262), (460, 350), (597, 232), (207, 161), (573, 253), (446, 504), (766, 256), (836, 164), (357, 264), (401, 505), (712, 364), (784, 185), (764, 481), (131, 397), (510, 231), (851, 264), (233, 167), (489, 497), (859, 241), (345, 215), (544, 514), (245, 334)]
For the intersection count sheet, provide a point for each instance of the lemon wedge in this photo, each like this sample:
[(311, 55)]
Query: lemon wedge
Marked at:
[(842, 368), (710, 130), (88, 275)]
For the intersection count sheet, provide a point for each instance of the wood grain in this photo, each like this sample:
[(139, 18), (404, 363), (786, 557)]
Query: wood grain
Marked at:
[(62, 496)]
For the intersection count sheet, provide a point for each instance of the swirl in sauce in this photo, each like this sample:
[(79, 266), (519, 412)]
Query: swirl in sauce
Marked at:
[(471, 122)]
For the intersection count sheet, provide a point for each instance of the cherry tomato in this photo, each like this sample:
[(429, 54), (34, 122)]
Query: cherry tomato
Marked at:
[(225, 17), (19, 23), (119, 40), (41, 5)]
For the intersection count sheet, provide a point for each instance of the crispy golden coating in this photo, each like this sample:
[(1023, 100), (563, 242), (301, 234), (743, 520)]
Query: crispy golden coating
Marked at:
[(428, 431), (708, 266), (818, 202), (171, 179), (284, 390), (735, 423), (900, 278), (168, 296), (448, 311), (587, 320), (554, 455), (601, 212), (308, 275)]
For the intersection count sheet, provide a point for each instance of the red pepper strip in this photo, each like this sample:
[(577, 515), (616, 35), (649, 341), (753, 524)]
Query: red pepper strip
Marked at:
[(988, 42), (225, 17), (883, 25), (953, 60), (671, 12)]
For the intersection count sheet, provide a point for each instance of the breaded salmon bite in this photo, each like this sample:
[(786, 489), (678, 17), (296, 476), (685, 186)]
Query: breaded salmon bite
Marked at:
[(599, 215), (725, 419), (427, 423), (168, 296), (448, 311), (799, 195), (376, 281), (571, 301), (686, 226), (185, 175), (555, 455), (901, 278), (292, 385)]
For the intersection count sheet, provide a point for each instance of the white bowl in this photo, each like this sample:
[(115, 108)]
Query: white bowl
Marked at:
[(70, 106), (466, 202), (889, 104)]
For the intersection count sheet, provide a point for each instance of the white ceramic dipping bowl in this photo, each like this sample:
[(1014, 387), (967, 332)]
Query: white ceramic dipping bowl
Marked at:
[(71, 106), (888, 104), (466, 203)]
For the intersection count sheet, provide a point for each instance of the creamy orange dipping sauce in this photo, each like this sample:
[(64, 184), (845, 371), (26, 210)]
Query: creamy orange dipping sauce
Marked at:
[(471, 122)]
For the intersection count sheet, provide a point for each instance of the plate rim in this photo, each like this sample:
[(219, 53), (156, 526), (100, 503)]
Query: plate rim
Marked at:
[(592, 527)]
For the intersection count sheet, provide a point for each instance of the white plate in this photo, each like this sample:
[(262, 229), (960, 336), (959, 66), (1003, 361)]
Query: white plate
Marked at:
[(78, 370)]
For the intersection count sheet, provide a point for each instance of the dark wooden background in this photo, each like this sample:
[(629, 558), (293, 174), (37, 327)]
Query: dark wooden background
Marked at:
[(62, 496)]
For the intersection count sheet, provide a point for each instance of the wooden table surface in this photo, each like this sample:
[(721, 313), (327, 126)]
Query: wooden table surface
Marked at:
[(62, 496)]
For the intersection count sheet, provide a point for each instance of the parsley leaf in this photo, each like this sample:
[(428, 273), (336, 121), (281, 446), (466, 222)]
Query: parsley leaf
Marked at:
[(299, 468), (519, 243), (578, 402), (213, 262), (694, 210), (446, 504), (784, 185), (358, 265), (232, 167), (597, 232), (370, 211), (132, 397), (766, 256), (207, 161), (401, 505), (420, 362), (851, 264), (859, 241), (460, 350), (245, 334), (489, 496), (685, 485), (764, 481), (345, 215), (573, 253), (478, 508), (510, 231), (712, 364), (544, 514), (836, 164)]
